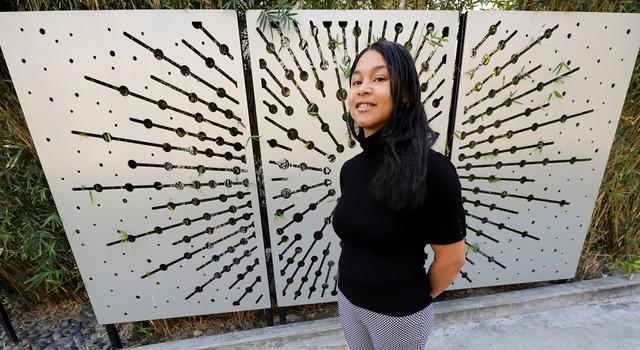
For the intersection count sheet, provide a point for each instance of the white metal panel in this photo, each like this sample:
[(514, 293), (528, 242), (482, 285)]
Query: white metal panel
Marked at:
[(295, 68), (544, 91), (114, 101)]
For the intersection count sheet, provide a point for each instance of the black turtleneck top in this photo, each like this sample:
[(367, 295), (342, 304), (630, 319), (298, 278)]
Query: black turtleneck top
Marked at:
[(382, 263)]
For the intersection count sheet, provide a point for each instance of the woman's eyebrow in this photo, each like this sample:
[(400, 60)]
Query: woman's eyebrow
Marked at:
[(376, 68)]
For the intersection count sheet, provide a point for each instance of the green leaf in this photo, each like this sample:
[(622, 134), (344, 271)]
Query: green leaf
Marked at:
[(539, 146), (281, 16), (337, 42), (472, 248), (558, 69), (346, 70), (252, 137), (52, 219), (14, 160), (235, 5), (631, 265), (124, 236)]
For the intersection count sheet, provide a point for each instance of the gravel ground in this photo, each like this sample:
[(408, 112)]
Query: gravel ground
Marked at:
[(55, 328)]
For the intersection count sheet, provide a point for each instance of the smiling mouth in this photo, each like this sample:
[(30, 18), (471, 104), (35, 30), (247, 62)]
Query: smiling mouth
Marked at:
[(364, 103), (364, 106)]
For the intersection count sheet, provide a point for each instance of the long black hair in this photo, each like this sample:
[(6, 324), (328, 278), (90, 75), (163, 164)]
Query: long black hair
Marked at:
[(401, 180)]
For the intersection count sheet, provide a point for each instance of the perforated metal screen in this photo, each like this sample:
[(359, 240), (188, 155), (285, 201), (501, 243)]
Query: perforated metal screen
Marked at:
[(538, 105), (300, 75), (140, 121)]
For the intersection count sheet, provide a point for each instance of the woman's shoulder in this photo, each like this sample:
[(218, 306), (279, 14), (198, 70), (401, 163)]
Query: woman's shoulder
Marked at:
[(356, 159), (438, 159), (440, 170)]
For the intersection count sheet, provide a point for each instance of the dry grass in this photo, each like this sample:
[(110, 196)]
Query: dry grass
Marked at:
[(188, 327)]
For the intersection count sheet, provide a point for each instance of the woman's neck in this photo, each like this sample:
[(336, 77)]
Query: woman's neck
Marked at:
[(373, 143)]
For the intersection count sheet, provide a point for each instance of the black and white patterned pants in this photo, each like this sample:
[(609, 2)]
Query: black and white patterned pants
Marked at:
[(368, 330)]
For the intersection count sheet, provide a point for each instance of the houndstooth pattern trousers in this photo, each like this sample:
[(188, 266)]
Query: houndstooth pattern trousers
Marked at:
[(368, 330)]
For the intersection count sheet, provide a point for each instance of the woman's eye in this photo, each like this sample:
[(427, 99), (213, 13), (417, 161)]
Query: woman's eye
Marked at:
[(379, 79), (355, 83)]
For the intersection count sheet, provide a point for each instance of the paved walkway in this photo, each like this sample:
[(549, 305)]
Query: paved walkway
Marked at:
[(610, 324), (595, 314), (604, 324)]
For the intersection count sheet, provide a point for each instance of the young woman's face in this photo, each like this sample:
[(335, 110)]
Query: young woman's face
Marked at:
[(370, 102)]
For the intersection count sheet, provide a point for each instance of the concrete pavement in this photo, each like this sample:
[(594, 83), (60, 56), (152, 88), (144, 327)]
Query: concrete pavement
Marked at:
[(594, 314)]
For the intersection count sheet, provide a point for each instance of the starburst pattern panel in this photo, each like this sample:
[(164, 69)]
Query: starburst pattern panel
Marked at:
[(140, 121), (300, 78), (538, 105)]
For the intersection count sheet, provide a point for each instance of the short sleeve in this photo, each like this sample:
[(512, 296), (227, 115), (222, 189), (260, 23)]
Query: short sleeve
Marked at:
[(447, 217)]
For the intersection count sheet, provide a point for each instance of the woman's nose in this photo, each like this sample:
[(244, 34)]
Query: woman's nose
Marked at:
[(364, 88)]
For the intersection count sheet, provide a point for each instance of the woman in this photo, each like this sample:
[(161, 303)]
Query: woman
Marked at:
[(397, 196)]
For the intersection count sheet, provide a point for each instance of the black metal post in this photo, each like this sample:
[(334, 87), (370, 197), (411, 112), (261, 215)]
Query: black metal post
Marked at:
[(255, 143), (6, 324), (462, 25), (113, 336), (283, 316), (269, 315)]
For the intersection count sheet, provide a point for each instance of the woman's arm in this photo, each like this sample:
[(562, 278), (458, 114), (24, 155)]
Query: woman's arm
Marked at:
[(448, 260)]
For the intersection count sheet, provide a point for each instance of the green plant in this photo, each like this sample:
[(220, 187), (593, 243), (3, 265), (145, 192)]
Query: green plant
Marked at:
[(558, 69), (522, 74), (235, 5), (36, 262), (490, 155), (124, 236), (631, 265), (144, 332), (540, 145), (91, 199), (471, 247), (252, 137), (555, 93), (281, 16), (511, 94), (435, 40), (346, 70), (334, 43)]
